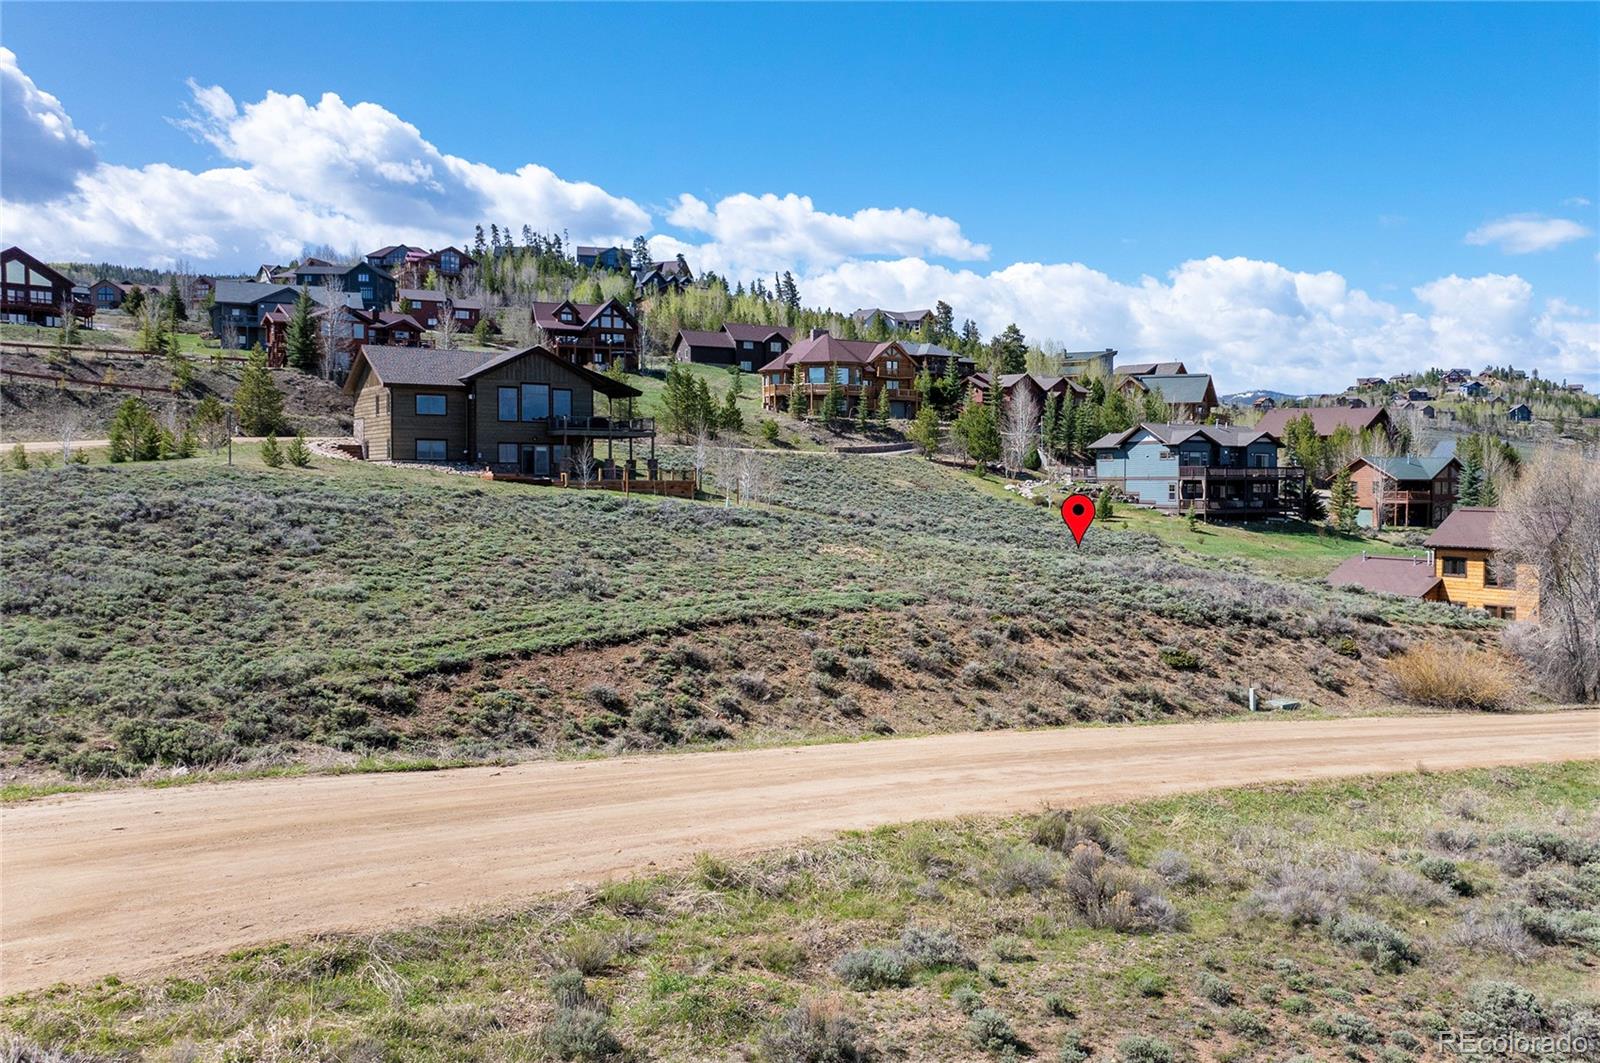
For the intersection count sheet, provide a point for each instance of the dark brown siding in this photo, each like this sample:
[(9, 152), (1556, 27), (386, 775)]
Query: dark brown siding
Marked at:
[(489, 431), (408, 427)]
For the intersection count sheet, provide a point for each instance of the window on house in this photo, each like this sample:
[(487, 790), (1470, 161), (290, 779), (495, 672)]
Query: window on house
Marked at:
[(430, 405), (1455, 566), (892, 385), (748, 345), (746, 366), (816, 375), (463, 314), (366, 293), (507, 404), (775, 346), (1172, 492), (1166, 455), (449, 263), (430, 450), (561, 402), (891, 365), (535, 402), (507, 454), (364, 278), (841, 374)]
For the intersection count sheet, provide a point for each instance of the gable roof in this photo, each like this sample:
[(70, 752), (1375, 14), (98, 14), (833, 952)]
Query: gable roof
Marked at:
[(931, 350), (1039, 380), (251, 292), (1410, 576), (425, 367), (1173, 434), (544, 314), (903, 317), (1325, 418), (1150, 368), (1466, 528), (1408, 468), (759, 333), (699, 338), (1181, 387)]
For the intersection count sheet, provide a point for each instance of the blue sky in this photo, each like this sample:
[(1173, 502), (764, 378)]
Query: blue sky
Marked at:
[(1367, 141)]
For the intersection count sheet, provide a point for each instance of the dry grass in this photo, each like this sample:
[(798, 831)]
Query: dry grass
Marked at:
[(1453, 677)]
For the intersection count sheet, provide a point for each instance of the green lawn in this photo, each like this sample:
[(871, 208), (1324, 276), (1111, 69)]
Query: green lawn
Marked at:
[(1357, 919)]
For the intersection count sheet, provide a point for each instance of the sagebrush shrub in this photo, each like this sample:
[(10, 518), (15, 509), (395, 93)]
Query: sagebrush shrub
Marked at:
[(872, 969), (1141, 1048), (582, 1033), (816, 1031), (933, 948), (991, 1031), (1375, 941)]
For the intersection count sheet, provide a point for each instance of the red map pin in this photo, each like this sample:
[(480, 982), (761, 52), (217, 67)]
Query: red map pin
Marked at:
[(1078, 512)]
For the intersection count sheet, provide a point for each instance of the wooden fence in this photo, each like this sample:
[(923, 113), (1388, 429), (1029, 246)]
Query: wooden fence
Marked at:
[(61, 380), (112, 353)]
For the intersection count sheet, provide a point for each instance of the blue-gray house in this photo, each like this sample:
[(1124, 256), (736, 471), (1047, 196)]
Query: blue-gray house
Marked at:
[(1209, 470)]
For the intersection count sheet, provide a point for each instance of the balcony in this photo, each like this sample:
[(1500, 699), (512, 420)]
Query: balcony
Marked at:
[(1239, 473), (604, 427)]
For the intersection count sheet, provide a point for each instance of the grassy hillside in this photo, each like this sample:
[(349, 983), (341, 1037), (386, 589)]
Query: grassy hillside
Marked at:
[(190, 613), (38, 410), (1360, 920)]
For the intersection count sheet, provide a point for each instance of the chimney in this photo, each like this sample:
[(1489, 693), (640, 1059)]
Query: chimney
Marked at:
[(816, 332)]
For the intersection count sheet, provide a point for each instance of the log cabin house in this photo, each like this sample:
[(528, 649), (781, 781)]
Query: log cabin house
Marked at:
[(863, 370), (1463, 553), (1404, 492)]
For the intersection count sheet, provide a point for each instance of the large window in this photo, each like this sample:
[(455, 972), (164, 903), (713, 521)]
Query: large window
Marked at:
[(507, 454), (508, 404), (841, 373), (561, 402), (1455, 566), (430, 450), (816, 374), (430, 405), (448, 263), (535, 402)]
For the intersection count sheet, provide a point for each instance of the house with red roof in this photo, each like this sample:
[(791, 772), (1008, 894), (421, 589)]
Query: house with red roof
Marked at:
[(598, 335)]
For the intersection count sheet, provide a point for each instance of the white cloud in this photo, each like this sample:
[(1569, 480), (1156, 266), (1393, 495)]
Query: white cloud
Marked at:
[(755, 235), (44, 152), (302, 173), (1521, 234), (1575, 201), (296, 172), (1248, 323)]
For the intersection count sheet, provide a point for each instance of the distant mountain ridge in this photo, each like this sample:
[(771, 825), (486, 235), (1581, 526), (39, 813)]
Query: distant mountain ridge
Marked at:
[(1246, 398)]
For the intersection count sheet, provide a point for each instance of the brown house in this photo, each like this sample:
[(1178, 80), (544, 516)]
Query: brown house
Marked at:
[(341, 332), (746, 346), (979, 388), (35, 294), (1328, 419), (429, 308), (528, 411), (863, 370), (1463, 552), (447, 264), (590, 334), (1408, 492)]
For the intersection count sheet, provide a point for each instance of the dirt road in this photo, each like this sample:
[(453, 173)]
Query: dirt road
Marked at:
[(134, 880)]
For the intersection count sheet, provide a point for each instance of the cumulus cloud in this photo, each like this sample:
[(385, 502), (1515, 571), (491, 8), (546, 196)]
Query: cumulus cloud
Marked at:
[(301, 173), (758, 234), (1249, 323), (44, 152), (294, 172), (1522, 234)]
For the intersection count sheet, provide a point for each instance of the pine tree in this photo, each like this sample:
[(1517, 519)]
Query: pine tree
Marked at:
[(1471, 492), (257, 401), (833, 400), (944, 323), (133, 302), (270, 452), (173, 303), (883, 409), (924, 431), (1050, 425), (731, 419), (1011, 349), (300, 342), (299, 454), (641, 253), (1344, 508)]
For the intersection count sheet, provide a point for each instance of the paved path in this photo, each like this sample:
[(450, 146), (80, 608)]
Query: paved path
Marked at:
[(133, 880)]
